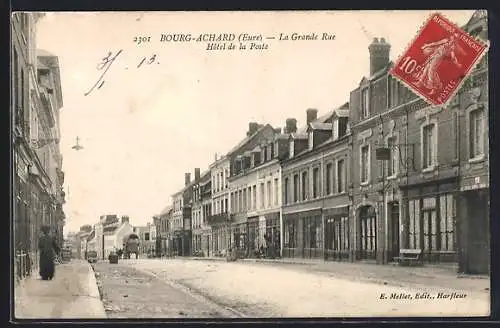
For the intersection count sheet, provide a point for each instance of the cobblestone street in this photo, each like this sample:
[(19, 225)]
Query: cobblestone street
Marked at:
[(130, 293), (278, 290)]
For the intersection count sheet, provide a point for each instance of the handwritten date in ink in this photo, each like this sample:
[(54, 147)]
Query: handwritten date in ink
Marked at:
[(142, 39), (105, 64)]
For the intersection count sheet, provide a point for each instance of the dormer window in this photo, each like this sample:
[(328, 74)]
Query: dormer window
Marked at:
[(335, 129), (270, 151), (342, 126)]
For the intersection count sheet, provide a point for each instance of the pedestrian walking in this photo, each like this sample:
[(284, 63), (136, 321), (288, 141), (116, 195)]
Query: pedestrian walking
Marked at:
[(48, 249)]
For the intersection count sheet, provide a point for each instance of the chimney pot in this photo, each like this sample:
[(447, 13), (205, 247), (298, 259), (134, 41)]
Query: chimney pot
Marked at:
[(291, 125), (252, 128), (379, 54), (312, 114)]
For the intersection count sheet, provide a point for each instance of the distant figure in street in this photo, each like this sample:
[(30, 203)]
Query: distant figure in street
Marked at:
[(48, 250)]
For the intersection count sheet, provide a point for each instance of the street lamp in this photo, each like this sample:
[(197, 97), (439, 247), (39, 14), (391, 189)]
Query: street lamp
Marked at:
[(77, 147)]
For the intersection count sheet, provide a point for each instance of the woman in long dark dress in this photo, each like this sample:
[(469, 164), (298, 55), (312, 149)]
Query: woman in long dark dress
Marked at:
[(48, 249)]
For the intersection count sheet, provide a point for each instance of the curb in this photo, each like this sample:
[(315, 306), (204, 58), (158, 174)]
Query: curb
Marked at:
[(95, 288)]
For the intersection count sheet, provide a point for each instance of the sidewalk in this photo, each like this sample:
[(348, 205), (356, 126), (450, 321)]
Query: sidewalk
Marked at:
[(72, 294), (445, 276)]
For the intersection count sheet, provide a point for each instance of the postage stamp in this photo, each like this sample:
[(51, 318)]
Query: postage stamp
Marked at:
[(438, 60)]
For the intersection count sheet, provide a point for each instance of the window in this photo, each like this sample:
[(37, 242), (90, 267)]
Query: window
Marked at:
[(365, 103), (337, 233), (296, 188), (365, 162), (368, 230), (291, 148), (286, 190), (311, 135), (312, 232), (249, 198), (240, 199), (225, 205), (428, 148), (262, 199), (290, 233), (269, 194), (276, 153), (476, 133), (233, 202), (430, 229), (392, 162), (254, 195), (329, 180), (315, 182), (429, 223), (146, 236), (456, 135), (225, 177), (305, 185), (244, 196), (446, 218), (392, 89), (340, 176), (276, 191)]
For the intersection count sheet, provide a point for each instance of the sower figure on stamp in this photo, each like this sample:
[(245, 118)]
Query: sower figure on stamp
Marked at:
[(48, 249), (438, 52)]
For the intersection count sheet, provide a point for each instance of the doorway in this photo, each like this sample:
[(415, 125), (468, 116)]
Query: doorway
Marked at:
[(394, 229), (478, 222)]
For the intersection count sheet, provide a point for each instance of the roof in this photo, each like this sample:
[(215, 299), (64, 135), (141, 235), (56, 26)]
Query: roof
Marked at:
[(321, 126), (91, 236), (247, 139), (110, 229), (299, 136), (341, 113), (281, 136), (166, 210)]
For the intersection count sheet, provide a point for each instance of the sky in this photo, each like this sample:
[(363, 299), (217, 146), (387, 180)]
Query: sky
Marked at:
[(146, 126)]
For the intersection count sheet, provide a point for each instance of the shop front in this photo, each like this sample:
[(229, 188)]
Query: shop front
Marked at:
[(303, 235), (272, 235), (337, 232), (429, 223)]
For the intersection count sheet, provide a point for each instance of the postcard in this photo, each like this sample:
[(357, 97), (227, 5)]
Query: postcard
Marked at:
[(250, 164)]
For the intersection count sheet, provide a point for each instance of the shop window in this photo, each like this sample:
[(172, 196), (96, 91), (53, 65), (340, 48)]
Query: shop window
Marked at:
[(368, 228), (290, 233), (312, 232), (337, 233)]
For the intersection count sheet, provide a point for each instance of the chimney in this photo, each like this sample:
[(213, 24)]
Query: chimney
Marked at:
[(252, 128), (379, 54), (197, 174), (125, 219), (312, 114), (277, 130), (291, 125), (187, 178)]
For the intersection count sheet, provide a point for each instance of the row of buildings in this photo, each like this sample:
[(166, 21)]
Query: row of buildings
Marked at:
[(383, 172), (108, 235), (38, 178)]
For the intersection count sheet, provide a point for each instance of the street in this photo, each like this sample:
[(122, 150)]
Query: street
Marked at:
[(130, 293), (201, 288)]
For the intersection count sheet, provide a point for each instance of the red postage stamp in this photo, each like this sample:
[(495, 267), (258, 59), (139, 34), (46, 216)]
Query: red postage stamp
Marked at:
[(438, 60)]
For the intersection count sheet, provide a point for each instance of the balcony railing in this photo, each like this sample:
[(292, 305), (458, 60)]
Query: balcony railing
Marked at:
[(222, 217)]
